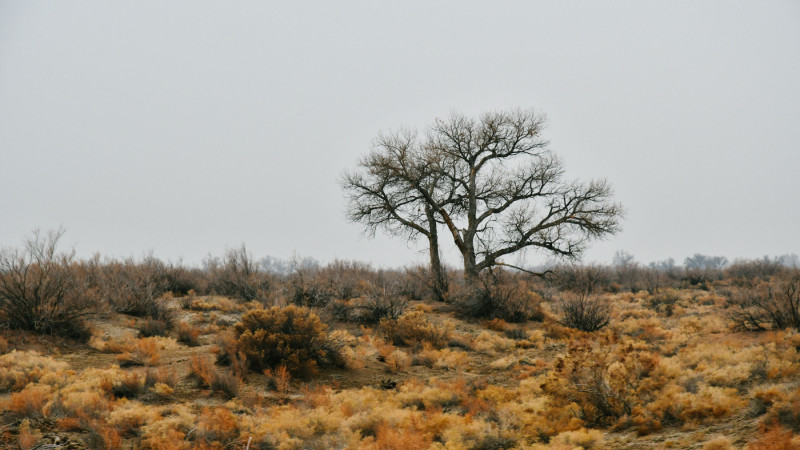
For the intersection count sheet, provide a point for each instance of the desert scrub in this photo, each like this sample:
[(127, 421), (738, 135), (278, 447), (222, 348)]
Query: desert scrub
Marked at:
[(143, 352), (414, 329), (584, 312), (499, 296), (41, 289), (292, 336), (188, 334), (19, 368)]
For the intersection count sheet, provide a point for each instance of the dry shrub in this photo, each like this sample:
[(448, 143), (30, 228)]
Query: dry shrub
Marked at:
[(228, 354), (188, 334), (396, 360), (19, 368), (30, 401), (150, 327), (206, 375), (584, 312), (444, 358), (774, 437), (370, 309), (606, 381), (499, 295), (774, 305), (129, 416), (237, 275), (781, 408), (26, 438), (136, 288), (279, 380), (663, 302), (42, 290), (490, 343), (103, 437), (414, 329), (497, 324), (592, 278), (216, 426), (131, 385), (675, 406), (3, 345), (719, 443), (391, 438), (144, 352), (583, 438), (292, 336)]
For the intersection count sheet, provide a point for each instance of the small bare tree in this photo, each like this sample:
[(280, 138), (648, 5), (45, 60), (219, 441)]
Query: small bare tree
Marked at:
[(41, 291)]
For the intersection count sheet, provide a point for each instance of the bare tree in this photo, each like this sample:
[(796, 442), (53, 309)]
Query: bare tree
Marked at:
[(492, 183), (510, 193), (398, 187)]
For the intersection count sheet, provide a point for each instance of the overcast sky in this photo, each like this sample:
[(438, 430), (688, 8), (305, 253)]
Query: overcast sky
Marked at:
[(188, 127)]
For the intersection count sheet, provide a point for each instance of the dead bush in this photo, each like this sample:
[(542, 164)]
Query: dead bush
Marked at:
[(592, 278), (414, 329), (305, 289), (144, 352), (606, 381), (292, 336), (181, 280), (237, 275), (774, 305), (371, 309), (663, 302), (41, 290), (188, 334), (584, 312), (131, 385), (499, 295), (132, 287), (149, 327), (206, 375), (748, 272)]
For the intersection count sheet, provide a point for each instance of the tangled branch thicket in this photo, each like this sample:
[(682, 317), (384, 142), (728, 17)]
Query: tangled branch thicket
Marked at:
[(41, 291), (769, 305)]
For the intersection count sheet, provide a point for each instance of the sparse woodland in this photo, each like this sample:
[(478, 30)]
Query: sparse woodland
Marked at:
[(106, 353), (158, 355)]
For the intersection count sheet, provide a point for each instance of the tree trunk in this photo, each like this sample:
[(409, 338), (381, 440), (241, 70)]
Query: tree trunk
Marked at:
[(438, 280), (470, 266)]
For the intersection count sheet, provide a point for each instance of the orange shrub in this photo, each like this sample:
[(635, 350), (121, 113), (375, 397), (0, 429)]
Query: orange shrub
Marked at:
[(413, 328), (292, 336), (188, 334), (30, 401), (216, 426), (144, 353)]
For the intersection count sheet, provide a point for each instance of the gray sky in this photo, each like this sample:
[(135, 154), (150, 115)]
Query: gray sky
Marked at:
[(186, 127)]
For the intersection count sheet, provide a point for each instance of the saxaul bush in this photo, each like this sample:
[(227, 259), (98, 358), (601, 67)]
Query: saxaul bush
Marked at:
[(499, 295), (41, 290), (292, 336), (768, 305), (584, 312), (138, 289), (414, 329), (237, 275)]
